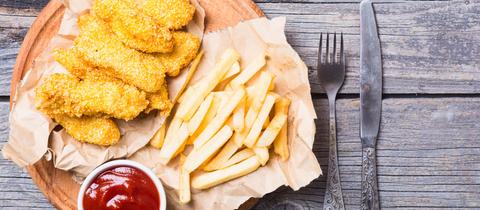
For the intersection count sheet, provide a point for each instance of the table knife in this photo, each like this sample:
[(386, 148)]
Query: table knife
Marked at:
[(370, 103)]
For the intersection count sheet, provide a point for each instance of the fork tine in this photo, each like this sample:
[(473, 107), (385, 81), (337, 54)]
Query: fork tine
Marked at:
[(334, 55), (342, 54), (326, 54), (320, 50)]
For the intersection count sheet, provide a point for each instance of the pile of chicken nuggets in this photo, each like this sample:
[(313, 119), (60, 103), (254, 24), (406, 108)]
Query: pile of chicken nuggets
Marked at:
[(117, 66)]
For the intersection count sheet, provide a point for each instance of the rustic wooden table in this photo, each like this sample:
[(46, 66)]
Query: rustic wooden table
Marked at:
[(429, 142)]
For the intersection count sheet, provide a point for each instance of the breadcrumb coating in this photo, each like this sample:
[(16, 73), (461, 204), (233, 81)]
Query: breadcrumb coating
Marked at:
[(173, 14), (65, 94), (93, 130), (135, 29), (97, 45), (83, 70), (159, 101), (186, 48)]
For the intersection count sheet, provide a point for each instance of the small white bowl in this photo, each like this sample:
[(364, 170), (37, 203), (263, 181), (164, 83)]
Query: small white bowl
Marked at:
[(116, 163)]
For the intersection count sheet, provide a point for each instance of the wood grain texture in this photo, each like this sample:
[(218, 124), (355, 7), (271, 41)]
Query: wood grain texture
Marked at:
[(427, 158), (423, 42), (428, 47)]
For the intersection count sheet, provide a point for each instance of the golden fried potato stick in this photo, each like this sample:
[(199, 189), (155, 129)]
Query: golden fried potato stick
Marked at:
[(184, 183), (66, 94), (238, 157), (223, 156), (97, 45), (280, 144), (210, 179), (93, 130), (185, 50), (133, 27), (159, 138), (173, 14)]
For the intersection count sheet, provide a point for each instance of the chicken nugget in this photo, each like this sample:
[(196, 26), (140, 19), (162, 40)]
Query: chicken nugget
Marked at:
[(85, 71), (66, 94), (93, 130), (159, 101), (186, 48), (97, 45), (135, 29), (173, 14)]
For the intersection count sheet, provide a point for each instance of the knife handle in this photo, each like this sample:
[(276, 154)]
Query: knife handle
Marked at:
[(369, 180), (333, 199)]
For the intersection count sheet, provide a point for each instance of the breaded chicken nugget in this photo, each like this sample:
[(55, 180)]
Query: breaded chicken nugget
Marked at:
[(97, 45), (159, 101), (132, 26), (93, 130), (173, 14), (65, 94), (186, 48), (83, 70)]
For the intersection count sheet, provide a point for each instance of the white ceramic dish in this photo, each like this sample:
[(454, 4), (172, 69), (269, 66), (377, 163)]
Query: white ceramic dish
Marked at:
[(113, 164)]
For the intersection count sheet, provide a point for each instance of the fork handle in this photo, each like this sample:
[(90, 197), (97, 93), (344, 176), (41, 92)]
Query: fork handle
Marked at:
[(369, 180), (333, 194)]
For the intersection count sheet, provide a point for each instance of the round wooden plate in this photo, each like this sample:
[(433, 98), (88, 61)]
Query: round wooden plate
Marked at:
[(57, 185)]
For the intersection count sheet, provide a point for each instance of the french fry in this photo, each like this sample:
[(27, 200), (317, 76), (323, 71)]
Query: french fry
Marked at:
[(249, 71), (191, 71), (254, 132), (235, 69), (198, 157), (238, 138), (262, 154), (219, 119), (257, 97), (267, 121), (159, 137), (272, 130), (212, 111), (198, 117), (238, 157), (184, 183), (172, 129), (271, 87), (227, 151), (280, 144), (174, 145), (210, 179), (238, 118), (188, 107)]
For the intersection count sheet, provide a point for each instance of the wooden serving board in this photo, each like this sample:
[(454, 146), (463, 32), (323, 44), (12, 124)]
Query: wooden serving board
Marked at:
[(57, 185)]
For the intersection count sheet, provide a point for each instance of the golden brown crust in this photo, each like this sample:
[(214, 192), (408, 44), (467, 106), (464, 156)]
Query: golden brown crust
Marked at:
[(135, 29), (173, 14), (186, 48), (100, 131), (97, 45), (65, 94)]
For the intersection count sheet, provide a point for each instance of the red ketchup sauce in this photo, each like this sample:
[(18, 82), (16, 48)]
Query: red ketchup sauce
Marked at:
[(122, 187)]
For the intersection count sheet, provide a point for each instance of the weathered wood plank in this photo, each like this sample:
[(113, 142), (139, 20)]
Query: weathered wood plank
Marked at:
[(427, 156), (431, 47), (17, 190)]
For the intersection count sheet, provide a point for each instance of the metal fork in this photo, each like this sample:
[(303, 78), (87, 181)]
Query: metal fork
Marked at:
[(331, 73)]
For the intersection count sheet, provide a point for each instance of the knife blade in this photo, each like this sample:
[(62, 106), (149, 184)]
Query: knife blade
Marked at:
[(370, 102)]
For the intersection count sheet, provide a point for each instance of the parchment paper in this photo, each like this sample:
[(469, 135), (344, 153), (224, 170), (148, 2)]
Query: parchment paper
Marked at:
[(250, 39), (30, 129)]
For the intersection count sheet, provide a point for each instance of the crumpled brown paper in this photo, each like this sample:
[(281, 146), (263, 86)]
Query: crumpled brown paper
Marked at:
[(30, 129), (250, 39)]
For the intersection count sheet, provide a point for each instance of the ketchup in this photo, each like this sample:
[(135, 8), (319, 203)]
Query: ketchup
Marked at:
[(122, 187)]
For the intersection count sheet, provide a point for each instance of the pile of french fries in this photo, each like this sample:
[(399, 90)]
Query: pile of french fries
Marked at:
[(232, 116)]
